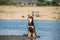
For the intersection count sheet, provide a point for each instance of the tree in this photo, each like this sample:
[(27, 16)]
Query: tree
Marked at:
[(53, 3), (7, 2), (41, 3), (41, 0), (2, 2), (47, 2)]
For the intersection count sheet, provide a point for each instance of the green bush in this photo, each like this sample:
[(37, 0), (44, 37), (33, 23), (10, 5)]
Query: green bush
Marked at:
[(7, 2), (12, 3), (41, 0), (46, 3), (2, 2), (50, 3), (40, 4)]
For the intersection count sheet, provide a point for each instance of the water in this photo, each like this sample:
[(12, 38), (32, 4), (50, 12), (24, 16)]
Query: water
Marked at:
[(48, 30)]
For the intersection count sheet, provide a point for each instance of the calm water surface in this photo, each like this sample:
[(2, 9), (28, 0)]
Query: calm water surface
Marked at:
[(48, 30)]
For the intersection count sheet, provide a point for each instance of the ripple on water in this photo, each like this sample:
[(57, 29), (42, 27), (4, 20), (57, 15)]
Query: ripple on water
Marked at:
[(48, 30)]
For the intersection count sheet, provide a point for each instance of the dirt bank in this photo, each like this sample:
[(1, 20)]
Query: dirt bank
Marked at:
[(21, 13)]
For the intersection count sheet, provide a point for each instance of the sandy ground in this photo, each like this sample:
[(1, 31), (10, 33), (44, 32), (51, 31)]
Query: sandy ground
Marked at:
[(21, 13), (14, 37)]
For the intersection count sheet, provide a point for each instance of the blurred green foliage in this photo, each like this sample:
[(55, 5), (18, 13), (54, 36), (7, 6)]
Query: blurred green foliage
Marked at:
[(7, 2), (47, 3), (39, 3)]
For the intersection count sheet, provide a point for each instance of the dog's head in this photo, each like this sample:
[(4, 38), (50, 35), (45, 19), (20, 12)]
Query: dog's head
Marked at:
[(30, 19)]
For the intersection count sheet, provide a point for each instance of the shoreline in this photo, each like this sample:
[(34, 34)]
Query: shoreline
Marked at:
[(27, 20), (14, 37)]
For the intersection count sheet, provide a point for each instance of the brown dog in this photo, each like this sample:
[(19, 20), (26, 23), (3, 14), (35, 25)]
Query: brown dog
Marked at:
[(31, 27)]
